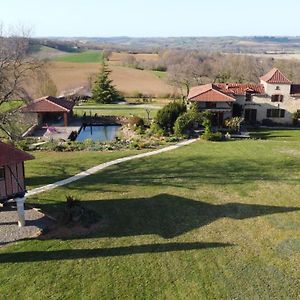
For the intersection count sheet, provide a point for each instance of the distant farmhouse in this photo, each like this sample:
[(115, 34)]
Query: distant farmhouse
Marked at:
[(275, 100)]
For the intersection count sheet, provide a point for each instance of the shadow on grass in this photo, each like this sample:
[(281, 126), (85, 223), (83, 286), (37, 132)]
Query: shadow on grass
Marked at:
[(34, 256), (165, 215)]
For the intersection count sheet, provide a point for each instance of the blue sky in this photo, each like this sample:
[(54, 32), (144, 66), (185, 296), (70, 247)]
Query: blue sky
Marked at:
[(153, 17)]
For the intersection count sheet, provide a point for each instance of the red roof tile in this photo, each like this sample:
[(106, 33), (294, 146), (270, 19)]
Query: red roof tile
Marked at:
[(275, 76), (48, 104), (11, 155), (240, 88), (208, 93)]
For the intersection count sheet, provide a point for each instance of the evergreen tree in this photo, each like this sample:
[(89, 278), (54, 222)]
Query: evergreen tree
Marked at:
[(103, 90)]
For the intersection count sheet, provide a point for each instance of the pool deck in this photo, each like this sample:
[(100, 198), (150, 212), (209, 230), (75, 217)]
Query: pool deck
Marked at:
[(59, 133)]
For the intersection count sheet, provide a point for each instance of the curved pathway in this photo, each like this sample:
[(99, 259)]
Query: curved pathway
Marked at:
[(100, 167)]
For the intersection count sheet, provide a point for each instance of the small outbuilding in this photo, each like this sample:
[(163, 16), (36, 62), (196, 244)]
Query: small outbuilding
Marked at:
[(50, 109), (12, 177)]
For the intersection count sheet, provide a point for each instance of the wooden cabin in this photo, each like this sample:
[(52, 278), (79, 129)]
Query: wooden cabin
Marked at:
[(12, 174)]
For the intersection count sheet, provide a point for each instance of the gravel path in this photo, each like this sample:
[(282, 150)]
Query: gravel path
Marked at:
[(98, 168), (9, 230)]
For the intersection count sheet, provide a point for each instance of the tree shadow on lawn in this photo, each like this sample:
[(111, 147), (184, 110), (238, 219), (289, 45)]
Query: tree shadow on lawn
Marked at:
[(35, 256), (165, 215)]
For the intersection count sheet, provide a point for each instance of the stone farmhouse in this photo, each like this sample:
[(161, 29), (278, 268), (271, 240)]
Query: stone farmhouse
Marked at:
[(274, 100)]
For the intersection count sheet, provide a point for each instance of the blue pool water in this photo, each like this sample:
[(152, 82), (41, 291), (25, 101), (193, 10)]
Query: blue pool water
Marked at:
[(98, 133)]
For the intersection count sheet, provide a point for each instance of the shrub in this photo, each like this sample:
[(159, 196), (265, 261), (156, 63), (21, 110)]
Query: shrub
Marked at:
[(155, 129), (136, 121), (75, 213), (234, 124), (211, 136), (167, 116)]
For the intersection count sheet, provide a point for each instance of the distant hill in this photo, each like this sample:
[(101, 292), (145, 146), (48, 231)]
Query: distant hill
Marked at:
[(255, 44)]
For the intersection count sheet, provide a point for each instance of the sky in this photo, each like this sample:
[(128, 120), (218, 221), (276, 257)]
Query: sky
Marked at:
[(153, 18)]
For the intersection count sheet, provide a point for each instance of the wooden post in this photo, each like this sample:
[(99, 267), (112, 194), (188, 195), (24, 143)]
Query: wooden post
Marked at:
[(21, 212), (65, 119)]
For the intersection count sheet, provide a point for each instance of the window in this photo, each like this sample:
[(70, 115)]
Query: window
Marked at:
[(275, 113), (2, 174), (277, 88), (277, 98), (211, 105), (248, 96)]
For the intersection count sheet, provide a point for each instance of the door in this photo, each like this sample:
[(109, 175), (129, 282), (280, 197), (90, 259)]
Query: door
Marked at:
[(250, 116)]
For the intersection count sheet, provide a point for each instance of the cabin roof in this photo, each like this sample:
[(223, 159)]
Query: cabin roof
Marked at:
[(48, 104), (10, 155)]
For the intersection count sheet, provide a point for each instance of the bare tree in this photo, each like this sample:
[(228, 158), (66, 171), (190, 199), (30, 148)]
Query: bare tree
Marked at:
[(16, 67)]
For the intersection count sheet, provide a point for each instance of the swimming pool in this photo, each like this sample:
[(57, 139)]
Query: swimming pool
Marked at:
[(98, 133)]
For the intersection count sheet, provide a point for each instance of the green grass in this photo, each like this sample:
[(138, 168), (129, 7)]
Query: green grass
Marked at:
[(11, 105), (83, 57), (160, 74), (63, 165), (115, 110), (280, 134), (207, 221)]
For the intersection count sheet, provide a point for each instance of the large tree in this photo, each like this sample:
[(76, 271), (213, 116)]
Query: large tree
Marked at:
[(16, 68), (103, 91)]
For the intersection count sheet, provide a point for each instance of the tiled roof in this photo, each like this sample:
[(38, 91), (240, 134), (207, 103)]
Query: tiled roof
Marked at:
[(48, 104), (207, 92), (11, 155), (275, 76), (240, 88)]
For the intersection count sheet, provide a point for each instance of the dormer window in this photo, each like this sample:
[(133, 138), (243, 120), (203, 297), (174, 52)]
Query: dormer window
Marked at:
[(277, 88), (277, 98), (248, 96)]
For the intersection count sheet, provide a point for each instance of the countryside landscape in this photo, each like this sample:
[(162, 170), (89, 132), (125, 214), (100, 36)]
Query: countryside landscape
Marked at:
[(149, 161)]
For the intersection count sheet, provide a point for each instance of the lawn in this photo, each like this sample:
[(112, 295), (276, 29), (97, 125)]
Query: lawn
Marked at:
[(206, 221), (83, 57), (117, 110)]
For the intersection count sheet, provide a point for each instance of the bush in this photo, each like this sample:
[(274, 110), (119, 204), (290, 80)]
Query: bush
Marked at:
[(155, 129), (234, 124), (211, 136), (136, 121), (185, 123), (75, 213), (167, 116)]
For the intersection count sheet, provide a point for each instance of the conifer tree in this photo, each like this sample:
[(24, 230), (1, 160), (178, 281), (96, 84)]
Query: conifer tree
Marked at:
[(103, 90)]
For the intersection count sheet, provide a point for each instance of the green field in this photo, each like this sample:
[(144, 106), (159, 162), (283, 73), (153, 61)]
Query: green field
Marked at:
[(116, 110), (83, 57), (206, 221), (160, 74)]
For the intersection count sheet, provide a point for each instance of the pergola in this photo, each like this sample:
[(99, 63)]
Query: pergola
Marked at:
[(49, 106)]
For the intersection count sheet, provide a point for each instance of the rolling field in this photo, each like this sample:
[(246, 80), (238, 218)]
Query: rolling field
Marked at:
[(207, 221), (68, 76), (84, 57)]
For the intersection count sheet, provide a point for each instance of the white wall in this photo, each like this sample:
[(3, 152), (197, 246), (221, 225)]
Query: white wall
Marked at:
[(270, 89), (261, 103)]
